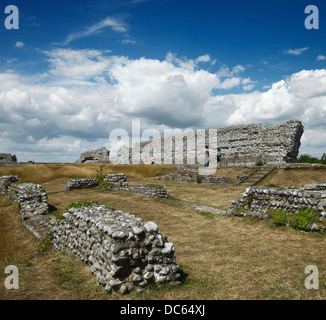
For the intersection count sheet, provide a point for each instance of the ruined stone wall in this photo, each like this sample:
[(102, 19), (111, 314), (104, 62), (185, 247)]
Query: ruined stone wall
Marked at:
[(262, 202), (81, 183), (153, 192), (241, 145), (6, 158), (101, 155), (189, 174), (118, 182), (195, 179), (33, 208), (5, 183), (315, 187), (124, 253)]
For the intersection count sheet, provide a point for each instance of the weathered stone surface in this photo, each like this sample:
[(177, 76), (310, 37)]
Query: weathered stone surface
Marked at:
[(33, 208), (118, 182), (6, 158), (101, 155), (315, 186), (6, 181), (120, 260), (240, 145), (81, 183), (261, 202), (186, 174), (32, 199)]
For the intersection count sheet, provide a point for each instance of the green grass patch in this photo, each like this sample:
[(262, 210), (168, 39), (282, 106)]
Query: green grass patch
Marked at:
[(280, 217), (99, 175), (207, 214), (299, 220), (303, 218), (45, 244), (260, 163)]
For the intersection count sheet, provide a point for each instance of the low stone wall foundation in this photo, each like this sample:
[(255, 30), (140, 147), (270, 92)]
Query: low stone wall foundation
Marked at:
[(189, 174), (124, 253), (5, 183), (81, 183), (33, 208), (118, 182), (264, 203)]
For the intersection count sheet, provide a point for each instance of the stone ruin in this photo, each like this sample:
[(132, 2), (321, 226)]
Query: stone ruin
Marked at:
[(118, 182), (6, 181), (101, 155), (33, 208), (315, 187), (6, 158), (81, 183), (124, 253), (261, 202), (186, 174), (240, 145)]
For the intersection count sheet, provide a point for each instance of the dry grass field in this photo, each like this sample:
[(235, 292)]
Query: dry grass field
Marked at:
[(222, 258)]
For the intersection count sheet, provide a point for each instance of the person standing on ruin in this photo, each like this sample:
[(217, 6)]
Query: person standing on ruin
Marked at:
[(219, 156), (206, 156)]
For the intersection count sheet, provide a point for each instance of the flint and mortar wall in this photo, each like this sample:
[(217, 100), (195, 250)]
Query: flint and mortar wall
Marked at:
[(259, 202), (5, 183), (6, 158), (240, 145), (124, 253), (101, 155), (118, 182), (81, 183), (191, 175), (33, 208)]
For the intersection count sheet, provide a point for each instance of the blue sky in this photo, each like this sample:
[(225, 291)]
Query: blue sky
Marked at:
[(76, 70)]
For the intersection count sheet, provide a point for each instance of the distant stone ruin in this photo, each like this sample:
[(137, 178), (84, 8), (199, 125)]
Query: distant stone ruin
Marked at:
[(101, 155), (186, 174), (6, 158), (240, 145)]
